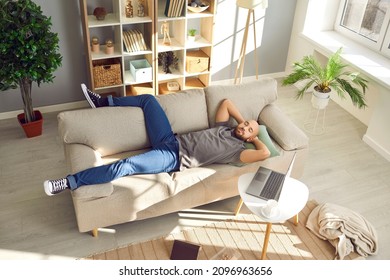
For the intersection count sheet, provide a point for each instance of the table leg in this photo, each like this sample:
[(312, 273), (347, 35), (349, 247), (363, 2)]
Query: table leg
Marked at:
[(296, 219), (266, 239), (238, 207)]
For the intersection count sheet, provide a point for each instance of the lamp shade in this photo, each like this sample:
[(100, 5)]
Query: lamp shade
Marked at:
[(250, 4)]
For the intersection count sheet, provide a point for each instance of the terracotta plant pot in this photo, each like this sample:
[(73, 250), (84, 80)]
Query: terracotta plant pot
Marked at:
[(34, 128)]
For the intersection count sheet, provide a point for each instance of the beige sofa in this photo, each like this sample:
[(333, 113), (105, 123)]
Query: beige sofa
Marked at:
[(93, 137)]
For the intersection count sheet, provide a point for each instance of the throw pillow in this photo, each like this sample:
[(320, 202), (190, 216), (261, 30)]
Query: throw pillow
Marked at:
[(266, 139)]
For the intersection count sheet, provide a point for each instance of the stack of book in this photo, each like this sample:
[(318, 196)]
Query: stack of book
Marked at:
[(134, 41), (174, 8)]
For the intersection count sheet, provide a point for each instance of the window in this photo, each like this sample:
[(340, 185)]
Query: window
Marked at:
[(366, 22)]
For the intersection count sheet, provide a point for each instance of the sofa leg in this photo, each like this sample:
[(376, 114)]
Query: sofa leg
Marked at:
[(94, 232), (238, 207)]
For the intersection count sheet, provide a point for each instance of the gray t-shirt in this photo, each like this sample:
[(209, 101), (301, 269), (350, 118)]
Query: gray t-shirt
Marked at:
[(213, 145)]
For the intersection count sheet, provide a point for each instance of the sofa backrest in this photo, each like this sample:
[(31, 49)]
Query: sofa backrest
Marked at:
[(112, 130), (186, 111), (250, 98)]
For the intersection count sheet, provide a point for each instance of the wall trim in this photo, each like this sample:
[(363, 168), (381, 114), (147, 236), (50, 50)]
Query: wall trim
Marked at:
[(48, 109), (376, 147)]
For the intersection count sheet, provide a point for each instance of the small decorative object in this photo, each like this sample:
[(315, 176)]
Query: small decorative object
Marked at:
[(191, 35), (129, 9), (197, 6), (95, 45), (109, 47), (141, 8), (165, 32), (173, 86), (100, 13), (167, 60)]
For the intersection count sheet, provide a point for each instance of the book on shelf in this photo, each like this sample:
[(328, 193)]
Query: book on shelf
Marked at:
[(134, 41), (167, 8), (173, 8)]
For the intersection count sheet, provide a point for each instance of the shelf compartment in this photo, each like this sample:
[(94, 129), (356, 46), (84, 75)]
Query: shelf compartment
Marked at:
[(107, 72), (110, 20), (128, 78), (138, 89), (194, 83)]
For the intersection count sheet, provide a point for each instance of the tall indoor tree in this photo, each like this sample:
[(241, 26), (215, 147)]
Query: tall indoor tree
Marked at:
[(29, 50)]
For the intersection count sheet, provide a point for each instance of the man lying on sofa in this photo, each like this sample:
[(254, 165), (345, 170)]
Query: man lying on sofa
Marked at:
[(170, 152)]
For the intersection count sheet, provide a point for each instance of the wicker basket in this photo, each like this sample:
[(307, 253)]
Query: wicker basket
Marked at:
[(107, 73)]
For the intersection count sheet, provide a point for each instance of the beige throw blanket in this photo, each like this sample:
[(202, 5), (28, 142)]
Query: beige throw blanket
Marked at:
[(346, 230)]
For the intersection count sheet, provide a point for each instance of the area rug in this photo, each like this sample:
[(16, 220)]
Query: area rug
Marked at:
[(242, 237)]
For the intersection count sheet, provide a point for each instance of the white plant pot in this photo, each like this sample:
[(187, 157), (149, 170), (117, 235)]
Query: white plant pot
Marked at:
[(191, 38), (320, 100)]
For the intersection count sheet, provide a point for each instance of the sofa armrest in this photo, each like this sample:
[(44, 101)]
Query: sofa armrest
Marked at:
[(282, 129), (81, 157)]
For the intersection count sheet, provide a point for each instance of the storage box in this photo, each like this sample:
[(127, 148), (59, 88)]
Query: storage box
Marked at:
[(107, 73), (197, 61), (138, 89), (163, 89), (141, 70)]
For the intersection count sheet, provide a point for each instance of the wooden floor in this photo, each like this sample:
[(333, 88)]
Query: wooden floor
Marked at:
[(340, 169)]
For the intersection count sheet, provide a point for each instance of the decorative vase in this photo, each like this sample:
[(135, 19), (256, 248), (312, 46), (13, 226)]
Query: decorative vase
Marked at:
[(34, 128), (191, 38), (109, 47), (95, 45), (320, 100), (100, 13)]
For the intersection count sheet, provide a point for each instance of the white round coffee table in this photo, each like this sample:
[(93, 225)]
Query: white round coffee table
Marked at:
[(292, 199)]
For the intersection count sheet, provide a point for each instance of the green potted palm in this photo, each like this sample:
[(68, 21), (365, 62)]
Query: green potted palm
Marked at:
[(333, 76), (191, 34), (29, 52)]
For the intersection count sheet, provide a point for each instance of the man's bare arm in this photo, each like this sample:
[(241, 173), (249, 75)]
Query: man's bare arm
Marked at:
[(261, 152), (226, 110)]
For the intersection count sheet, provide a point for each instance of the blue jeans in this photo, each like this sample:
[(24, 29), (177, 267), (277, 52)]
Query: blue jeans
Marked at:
[(163, 157)]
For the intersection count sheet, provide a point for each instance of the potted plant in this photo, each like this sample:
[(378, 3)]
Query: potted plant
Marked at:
[(191, 35), (332, 76), (28, 53)]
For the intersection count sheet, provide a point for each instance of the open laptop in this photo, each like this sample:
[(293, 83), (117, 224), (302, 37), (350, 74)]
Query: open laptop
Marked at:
[(268, 184)]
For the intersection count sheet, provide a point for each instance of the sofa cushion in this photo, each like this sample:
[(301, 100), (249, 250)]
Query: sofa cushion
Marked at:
[(250, 98), (186, 110), (282, 129), (266, 139)]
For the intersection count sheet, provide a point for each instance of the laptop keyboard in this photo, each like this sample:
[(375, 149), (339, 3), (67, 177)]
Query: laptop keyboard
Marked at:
[(272, 185)]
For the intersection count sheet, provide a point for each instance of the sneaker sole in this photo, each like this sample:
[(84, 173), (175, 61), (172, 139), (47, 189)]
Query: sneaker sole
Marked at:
[(85, 91), (47, 188)]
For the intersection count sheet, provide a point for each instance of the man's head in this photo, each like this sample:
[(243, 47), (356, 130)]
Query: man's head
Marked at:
[(247, 130)]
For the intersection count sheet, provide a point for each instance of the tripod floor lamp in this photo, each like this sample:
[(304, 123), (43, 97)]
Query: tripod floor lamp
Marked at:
[(250, 5)]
